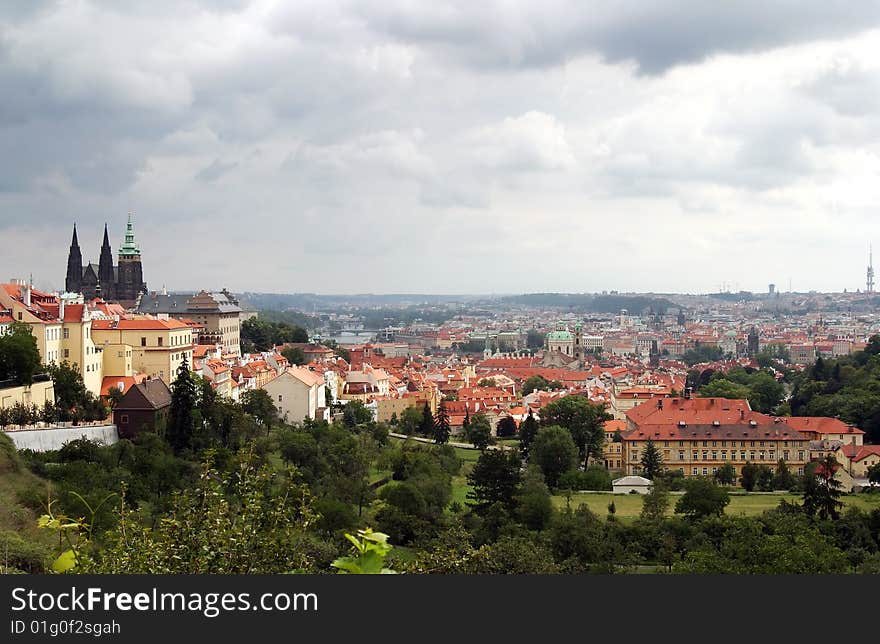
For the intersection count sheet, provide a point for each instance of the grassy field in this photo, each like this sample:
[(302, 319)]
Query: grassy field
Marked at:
[(628, 506)]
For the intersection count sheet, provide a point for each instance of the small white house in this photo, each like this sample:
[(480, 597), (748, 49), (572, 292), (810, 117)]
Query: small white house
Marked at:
[(629, 484)]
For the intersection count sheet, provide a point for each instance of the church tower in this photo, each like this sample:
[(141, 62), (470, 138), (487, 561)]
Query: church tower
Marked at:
[(73, 281), (130, 277), (106, 278)]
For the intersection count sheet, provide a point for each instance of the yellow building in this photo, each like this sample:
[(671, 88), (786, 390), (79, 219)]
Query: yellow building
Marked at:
[(34, 308), (699, 436), (157, 346)]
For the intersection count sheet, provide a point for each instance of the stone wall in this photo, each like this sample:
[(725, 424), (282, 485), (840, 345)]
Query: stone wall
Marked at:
[(52, 438)]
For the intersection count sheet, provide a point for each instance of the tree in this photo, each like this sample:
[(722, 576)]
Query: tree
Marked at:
[(410, 419), (479, 431), (258, 403), (722, 388), (181, 422), (726, 474), (583, 419), (356, 413), (486, 382), (749, 477), (555, 452), (534, 507), (652, 460), (822, 490), (19, 355), (874, 474), (702, 498), (294, 355), (505, 427), (426, 426), (528, 429), (442, 429), (655, 504), (494, 478), (534, 383), (783, 479)]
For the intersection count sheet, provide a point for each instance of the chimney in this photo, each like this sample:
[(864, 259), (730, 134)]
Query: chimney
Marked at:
[(61, 308), (27, 294), (742, 414)]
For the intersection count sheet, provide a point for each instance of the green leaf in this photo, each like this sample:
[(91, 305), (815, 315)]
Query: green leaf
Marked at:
[(65, 561)]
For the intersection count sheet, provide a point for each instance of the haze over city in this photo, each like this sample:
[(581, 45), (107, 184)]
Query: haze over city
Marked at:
[(342, 147)]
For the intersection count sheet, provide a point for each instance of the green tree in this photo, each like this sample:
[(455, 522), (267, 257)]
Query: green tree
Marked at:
[(294, 355), (356, 413), (181, 420), (534, 507), (726, 474), (426, 426), (652, 460), (505, 427), (528, 429), (486, 382), (655, 504), (874, 474), (479, 431), (442, 428), (410, 419), (258, 403), (583, 419), (749, 477), (822, 490), (702, 498), (555, 452), (534, 383), (19, 355), (494, 478), (723, 388)]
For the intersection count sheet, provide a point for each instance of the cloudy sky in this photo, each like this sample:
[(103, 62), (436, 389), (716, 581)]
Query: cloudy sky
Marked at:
[(445, 147)]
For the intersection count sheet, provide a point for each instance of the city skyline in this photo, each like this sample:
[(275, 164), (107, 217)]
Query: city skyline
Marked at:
[(348, 148)]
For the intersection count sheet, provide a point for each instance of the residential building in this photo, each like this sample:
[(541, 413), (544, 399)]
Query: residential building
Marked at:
[(298, 393), (144, 407), (158, 347)]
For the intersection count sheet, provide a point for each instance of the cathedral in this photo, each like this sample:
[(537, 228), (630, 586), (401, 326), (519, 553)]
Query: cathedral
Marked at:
[(123, 283)]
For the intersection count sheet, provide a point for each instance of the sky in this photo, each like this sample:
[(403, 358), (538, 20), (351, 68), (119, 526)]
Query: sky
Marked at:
[(445, 147)]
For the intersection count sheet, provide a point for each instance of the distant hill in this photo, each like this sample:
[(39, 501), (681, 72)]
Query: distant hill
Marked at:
[(594, 303)]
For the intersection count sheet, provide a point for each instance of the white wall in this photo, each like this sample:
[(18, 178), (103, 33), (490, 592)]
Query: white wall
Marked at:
[(45, 440)]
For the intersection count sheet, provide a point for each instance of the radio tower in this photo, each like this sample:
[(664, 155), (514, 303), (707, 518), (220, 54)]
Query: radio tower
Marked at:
[(870, 280)]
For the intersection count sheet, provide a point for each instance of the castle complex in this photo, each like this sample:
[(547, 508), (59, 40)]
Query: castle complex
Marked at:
[(123, 283)]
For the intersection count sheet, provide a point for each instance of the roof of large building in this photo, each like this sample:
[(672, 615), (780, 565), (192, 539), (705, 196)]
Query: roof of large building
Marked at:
[(821, 424), (138, 325), (188, 303), (858, 452)]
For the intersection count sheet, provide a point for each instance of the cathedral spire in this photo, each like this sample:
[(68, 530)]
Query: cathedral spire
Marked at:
[(105, 265), (129, 247), (73, 280)]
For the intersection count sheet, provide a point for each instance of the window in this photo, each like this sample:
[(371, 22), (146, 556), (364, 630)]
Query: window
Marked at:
[(751, 456), (742, 456), (159, 342), (772, 455), (800, 456), (694, 455), (119, 354), (143, 342), (761, 455), (785, 454), (681, 454), (760, 443), (66, 334), (714, 443), (723, 455), (714, 455), (705, 455), (705, 443), (705, 471), (67, 353), (696, 471), (123, 419), (714, 471), (279, 397)]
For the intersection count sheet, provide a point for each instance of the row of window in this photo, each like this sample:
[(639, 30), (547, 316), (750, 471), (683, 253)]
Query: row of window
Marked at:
[(732, 443), (752, 455), (696, 471)]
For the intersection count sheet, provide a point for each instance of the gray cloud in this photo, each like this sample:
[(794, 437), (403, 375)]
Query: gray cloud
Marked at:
[(349, 146)]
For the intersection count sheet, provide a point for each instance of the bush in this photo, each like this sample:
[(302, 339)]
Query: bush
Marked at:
[(594, 477), (21, 555), (9, 459)]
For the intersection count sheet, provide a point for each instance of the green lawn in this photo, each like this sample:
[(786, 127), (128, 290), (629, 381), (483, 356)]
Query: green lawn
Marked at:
[(628, 506)]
